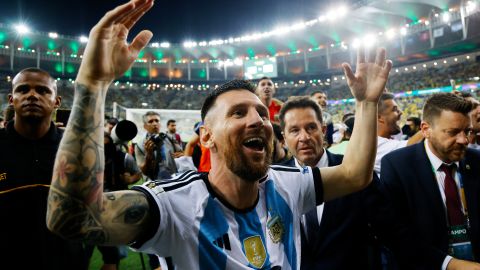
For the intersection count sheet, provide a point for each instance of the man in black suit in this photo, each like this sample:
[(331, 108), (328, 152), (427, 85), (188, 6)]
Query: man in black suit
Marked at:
[(434, 186), (336, 234)]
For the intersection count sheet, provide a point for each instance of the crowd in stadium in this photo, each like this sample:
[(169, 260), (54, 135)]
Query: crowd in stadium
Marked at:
[(274, 177)]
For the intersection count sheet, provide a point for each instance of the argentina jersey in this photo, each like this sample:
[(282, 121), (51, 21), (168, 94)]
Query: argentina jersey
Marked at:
[(200, 230)]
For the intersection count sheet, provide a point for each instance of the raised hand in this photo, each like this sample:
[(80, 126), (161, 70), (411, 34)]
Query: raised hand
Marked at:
[(368, 81), (108, 55)]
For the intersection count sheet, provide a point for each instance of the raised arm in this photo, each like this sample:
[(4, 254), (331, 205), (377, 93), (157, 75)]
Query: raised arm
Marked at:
[(366, 85), (77, 207)]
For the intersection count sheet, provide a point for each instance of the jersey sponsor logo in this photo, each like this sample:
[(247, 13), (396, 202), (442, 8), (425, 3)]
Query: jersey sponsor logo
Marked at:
[(255, 251), (3, 176), (275, 229)]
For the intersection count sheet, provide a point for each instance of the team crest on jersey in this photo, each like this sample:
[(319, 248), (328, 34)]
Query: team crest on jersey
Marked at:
[(3, 176), (275, 228), (255, 251)]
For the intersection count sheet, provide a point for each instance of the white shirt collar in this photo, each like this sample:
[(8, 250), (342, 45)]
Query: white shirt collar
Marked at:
[(323, 162), (434, 160)]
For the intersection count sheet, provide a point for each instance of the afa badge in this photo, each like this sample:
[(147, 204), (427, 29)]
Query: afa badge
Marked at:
[(275, 229), (255, 251)]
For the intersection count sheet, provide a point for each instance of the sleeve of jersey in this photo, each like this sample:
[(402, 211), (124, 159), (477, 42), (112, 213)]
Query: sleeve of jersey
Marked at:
[(157, 239)]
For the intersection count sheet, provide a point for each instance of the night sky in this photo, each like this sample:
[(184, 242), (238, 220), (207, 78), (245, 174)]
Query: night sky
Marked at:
[(172, 21)]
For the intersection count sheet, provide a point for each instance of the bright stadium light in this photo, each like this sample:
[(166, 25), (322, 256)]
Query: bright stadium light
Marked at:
[(446, 17), (52, 35), (238, 62), (22, 29), (390, 33), (369, 40), (165, 45), (83, 39), (403, 31), (155, 45), (356, 43)]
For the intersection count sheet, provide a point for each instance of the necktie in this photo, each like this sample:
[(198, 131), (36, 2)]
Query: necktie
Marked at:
[(454, 206)]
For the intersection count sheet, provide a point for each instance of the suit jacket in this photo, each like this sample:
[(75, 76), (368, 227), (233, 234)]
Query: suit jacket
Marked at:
[(343, 239), (408, 180)]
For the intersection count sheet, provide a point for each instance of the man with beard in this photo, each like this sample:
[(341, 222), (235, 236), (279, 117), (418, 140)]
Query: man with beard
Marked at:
[(265, 91), (434, 185), (243, 214), (28, 146), (388, 116)]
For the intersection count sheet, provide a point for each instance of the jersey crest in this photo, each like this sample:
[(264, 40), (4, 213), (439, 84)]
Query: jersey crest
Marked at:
[(275, 229), (255, 251)]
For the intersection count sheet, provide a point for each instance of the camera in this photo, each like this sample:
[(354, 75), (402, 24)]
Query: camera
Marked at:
[(158, 138)]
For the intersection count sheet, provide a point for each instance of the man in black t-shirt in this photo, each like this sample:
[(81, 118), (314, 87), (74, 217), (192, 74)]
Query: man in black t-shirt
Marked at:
[(28, 148)]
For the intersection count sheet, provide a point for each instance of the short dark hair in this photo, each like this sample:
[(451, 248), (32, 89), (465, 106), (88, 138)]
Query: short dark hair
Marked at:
[(381, 102), (224, 88), (302, 102), (170, 121), (416, 121), (444, 102), (38, 70), (149, 113), (317, 92), (265, 78)]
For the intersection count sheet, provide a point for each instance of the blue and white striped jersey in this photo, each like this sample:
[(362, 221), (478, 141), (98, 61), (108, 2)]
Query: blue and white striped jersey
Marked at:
[(199, 230)]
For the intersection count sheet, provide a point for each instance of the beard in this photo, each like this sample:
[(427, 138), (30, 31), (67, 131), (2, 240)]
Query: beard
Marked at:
[(449, 154), (248, 168)]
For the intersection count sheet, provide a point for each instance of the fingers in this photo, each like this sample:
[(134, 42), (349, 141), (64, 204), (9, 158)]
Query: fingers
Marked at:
[(372, 52), (348, 72), (380, 58), (113, 15), (130, 20), (140, 41), (388, 66), (360, 56)]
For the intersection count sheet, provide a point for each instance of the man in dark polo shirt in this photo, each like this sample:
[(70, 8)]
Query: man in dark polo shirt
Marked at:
[(27, 152)]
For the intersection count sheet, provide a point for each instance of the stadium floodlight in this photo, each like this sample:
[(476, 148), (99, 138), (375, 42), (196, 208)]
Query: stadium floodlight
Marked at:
[(165, 45), (369, 40), (356, 43), (322, 18), (21, 28), (281, 30), (189, 44), (83, 39), (427, 22), (144, 104), (390, 33), (238, 62), (446, 17), (298, 26), (52, 35), (403, 31), (202, 43), (155, 45)]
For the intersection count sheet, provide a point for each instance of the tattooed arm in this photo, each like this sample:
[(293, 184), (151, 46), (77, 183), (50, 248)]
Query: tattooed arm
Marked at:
[(77, 206)]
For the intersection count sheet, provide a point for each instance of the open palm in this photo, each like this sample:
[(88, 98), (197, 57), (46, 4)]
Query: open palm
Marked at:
[(371, 74), (108, 55)]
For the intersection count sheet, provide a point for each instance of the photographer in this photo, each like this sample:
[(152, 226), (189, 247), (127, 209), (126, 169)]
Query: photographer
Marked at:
[(155, 153)]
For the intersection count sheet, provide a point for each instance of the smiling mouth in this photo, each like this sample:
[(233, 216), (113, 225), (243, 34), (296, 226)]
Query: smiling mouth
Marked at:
[(256, 144)]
